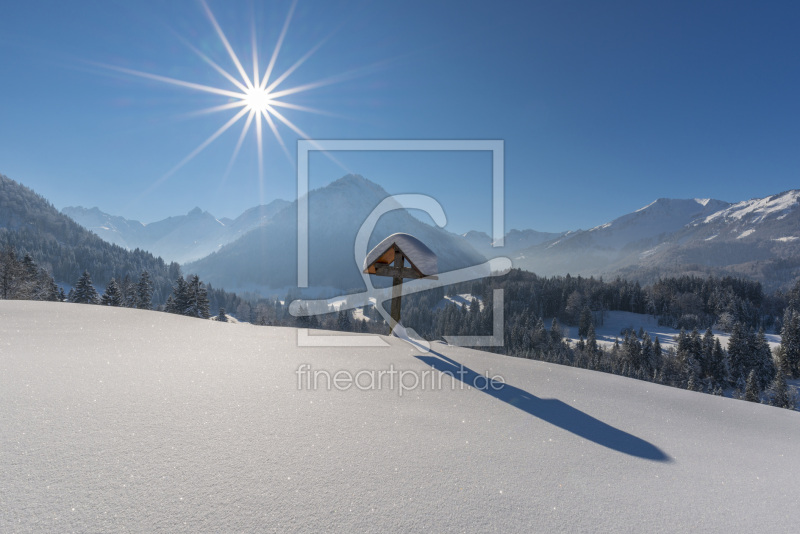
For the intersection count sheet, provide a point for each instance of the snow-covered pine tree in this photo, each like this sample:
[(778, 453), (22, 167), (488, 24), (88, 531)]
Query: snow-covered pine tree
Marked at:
[(779, 393), (657, 353), (790, 340), (765, 365), (555, 332), (739, 350), (591, 339), (221, 317), (144, 292), (180, 297), (647, 359), (707, 353), (585, 322), (197, 299), (128, 292), (718, 364), (343, 322), (752, 392), (85, 293), (112, 295)]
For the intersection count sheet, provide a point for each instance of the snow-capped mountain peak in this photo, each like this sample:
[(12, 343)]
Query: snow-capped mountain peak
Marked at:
[(759, 209)]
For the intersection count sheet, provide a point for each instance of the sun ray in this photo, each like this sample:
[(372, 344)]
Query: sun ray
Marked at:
[(298, 107), (239, 143), (213, 109), (213, 64), (227, 45), (303, 135), (338, 78), (204, 144), (173, 81), (294, 67), (255, 51), (279, 138), (259, 137), (277, 49)]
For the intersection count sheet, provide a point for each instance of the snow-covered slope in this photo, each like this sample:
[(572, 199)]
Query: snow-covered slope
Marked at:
[(181, 238), (118, 419)]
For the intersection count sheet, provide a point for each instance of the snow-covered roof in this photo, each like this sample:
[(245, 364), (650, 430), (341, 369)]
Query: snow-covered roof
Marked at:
[(417, 253)]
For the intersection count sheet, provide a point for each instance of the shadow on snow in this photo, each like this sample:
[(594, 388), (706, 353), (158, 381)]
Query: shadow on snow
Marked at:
[(553, 411)]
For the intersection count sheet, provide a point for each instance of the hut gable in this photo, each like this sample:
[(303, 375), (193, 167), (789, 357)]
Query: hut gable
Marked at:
[(421, 258)]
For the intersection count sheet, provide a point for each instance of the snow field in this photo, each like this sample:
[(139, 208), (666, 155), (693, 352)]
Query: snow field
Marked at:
[(116, 419)]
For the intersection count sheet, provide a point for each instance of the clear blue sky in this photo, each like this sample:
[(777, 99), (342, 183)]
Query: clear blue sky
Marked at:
[(603, 106)]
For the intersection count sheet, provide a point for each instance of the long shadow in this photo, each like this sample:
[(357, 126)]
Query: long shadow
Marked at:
[(553, 411)]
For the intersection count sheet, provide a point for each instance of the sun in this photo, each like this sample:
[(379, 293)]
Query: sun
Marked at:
[(257, 100), (253, 97)]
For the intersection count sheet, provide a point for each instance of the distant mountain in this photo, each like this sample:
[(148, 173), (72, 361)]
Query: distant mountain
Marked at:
[(513, 242), (32, 225), (758, 238), (182, 238), (267, 256)]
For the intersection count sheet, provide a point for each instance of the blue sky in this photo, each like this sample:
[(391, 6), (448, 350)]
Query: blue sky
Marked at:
[(603, 106)]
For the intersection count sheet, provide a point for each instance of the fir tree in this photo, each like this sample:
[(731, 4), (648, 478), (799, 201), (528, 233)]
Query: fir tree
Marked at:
[(648, 361), (790, 341), (779, 393), (707, 353), (221, 317), (591, 340), (144, 292), (752, 392), (739, 350), (112, 295), (179, 300), (718, 364), (657, 353), (85, 293), (197, 299), (555, 332), (343, 322), (764, 364), (585, 322), (128, 292)]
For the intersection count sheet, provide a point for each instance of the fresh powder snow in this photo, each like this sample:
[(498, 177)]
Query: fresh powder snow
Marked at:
[(117, 419)]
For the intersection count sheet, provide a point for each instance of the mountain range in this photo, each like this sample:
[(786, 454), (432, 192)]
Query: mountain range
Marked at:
[(267, 255), (182, 238), (757, 239)]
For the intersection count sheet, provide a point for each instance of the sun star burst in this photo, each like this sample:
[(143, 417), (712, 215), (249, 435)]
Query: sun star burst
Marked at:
[(253, 98)]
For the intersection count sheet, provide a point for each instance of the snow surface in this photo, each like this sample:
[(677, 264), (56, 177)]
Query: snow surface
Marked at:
[(461, 300), (115, 419)]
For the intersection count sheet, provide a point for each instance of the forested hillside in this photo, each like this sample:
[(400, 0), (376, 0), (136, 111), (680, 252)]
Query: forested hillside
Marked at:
[(32, 225)]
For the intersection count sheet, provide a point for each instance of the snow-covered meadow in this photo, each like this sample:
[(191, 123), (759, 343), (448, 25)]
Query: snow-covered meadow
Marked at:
[(117, 419), (615, 322)]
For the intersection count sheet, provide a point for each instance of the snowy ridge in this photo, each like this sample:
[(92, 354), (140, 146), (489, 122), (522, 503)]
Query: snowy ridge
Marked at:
[(757, 210)]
